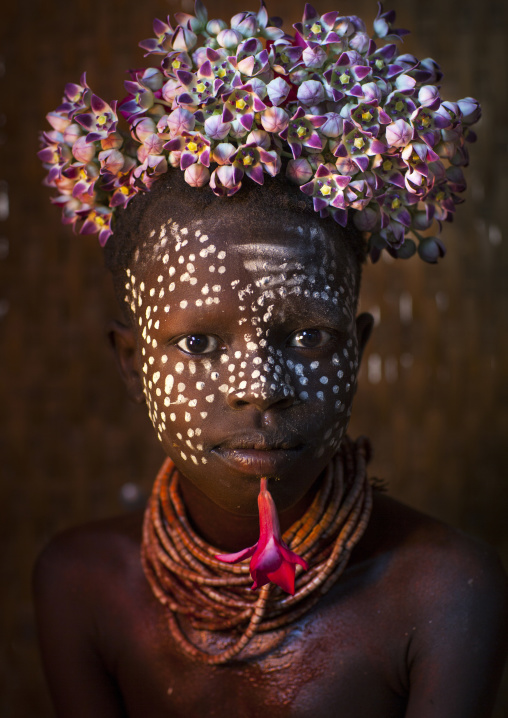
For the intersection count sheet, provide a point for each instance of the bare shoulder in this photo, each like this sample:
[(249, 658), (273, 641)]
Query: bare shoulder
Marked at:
[(440, 568), (108, 544), (445, 598), (439, 563), (89, 562)]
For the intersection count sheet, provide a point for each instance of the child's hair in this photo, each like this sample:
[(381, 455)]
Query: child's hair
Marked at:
[(171, 196)]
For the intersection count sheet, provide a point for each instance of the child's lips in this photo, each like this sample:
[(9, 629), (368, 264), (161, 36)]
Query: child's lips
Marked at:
[(259, 462), (259, 455)]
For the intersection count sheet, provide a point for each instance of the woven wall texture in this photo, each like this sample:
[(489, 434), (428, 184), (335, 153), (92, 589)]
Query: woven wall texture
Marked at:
[(434, 384)]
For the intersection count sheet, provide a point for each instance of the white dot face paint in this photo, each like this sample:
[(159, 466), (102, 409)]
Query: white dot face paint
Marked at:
[(265, 354)]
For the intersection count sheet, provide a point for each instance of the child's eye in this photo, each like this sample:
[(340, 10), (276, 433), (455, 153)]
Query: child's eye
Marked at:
[(309, 338), (198, 344)]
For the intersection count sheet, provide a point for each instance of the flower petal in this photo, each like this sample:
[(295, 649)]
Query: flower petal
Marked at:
[(238, 556)]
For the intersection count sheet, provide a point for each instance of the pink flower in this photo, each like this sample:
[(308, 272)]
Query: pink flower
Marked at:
[(271, 558), (101, 121)]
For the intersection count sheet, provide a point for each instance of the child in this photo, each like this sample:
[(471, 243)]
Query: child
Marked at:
[(240, 333)]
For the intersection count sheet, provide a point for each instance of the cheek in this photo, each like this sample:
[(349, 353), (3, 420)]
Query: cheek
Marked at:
[(179, 395), (328, 387), (179, 399)]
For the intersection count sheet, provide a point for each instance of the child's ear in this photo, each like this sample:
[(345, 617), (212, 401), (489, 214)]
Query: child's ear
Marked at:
[(364, 324), (123, 341)]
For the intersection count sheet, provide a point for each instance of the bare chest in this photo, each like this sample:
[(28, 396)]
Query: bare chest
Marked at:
[(325, 663)]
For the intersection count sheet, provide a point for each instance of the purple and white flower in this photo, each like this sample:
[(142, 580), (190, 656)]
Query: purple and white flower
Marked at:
[(363, 126)]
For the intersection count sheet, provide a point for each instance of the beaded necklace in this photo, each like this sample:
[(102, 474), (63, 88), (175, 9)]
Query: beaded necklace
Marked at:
[(185, 576)]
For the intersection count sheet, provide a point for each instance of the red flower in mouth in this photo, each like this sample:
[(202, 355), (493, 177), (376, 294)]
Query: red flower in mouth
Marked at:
[(271, 558)]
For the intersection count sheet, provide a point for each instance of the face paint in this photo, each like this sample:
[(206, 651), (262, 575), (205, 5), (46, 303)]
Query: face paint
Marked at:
[(251, 373)]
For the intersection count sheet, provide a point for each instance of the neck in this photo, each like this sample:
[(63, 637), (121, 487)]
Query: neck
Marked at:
[(227, 531)]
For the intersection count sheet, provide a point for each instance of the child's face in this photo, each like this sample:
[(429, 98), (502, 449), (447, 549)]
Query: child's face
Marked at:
[(248, 351)]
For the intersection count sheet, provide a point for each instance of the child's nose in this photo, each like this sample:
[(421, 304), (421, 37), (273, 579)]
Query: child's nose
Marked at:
[(238, 400), (269, 393)]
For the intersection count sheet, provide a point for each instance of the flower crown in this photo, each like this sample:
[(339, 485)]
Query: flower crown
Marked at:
[(362, 126)]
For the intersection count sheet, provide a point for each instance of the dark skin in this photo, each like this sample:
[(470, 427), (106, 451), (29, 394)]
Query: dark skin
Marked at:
[(416, 626)]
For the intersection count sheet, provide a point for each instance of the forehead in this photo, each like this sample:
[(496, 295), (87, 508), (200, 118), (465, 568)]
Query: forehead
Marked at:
[(263, 250)]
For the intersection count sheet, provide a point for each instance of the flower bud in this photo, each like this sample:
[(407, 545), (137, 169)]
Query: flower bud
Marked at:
[(333, 125), (277, 90), (57, 121), (346, 166), (223, 152), (405, 83), (112, 142), (144, 128), (344, 27), (174, 158), (71, 133), (299, 171), (152, 78), (215, 26), (470, 109), (258, 86), (421, 220), (260, 138), (82, 151), (249, 47), (237, 130), (228, 176), (433, 68), (180, 120), (371, 91), (298, 76), (311, 92), (239, 18), (274, 119), (215, 128), (183, 39), (399, 133), (229, 39), (428, 96), (455, 177), (445, 149), (225, 181), (407, 250), (153, 144), (196, 175), (314, 57), (142, 153), (315, 160), (111, 161), (366, 220), (247, 27), (199, 56), (431, 249), (360, 42), (170, 90)]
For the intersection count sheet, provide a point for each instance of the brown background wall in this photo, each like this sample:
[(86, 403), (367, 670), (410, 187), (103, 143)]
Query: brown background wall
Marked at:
[(435, 379)]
